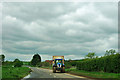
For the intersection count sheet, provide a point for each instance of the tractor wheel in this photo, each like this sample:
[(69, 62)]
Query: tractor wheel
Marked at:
[(54, 69), (63, 69)]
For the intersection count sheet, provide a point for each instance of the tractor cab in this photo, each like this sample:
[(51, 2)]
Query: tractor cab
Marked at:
[(58, 62)]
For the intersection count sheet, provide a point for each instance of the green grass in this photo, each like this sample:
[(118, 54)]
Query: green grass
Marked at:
[(14, 73), (94, 74), (0, 72)]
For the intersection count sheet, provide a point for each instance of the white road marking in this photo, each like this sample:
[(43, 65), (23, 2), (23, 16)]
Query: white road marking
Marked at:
[(54, 76), (50, 74)]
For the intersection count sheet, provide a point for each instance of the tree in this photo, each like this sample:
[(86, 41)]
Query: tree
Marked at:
[(90, 55), (107, 53), (17, 63), (36, 60), (110, 52), (2, 57), (16, 60)]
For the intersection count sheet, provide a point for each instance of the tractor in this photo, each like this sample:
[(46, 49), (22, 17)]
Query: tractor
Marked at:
[(58, 64)]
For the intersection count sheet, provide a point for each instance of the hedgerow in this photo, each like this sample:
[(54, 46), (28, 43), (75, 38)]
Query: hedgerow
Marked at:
[(109, 64)]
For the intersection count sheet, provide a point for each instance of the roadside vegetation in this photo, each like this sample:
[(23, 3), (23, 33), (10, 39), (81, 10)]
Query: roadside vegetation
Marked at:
[(14, 73), (107, 66), (14, 70), (95, 75), (110, 64)]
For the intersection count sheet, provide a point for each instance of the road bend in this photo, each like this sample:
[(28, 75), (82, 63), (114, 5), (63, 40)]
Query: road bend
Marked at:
[(47, 74)]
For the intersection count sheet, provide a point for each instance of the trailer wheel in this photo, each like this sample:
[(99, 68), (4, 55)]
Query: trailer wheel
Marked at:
[(54, 69), (63, 69)]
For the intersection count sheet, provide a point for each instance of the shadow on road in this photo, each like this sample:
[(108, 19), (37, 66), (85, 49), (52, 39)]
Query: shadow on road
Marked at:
[(59, 72)]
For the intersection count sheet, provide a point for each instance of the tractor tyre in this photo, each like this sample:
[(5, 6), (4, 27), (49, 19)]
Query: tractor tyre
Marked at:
[(54, 69), (63, 69)]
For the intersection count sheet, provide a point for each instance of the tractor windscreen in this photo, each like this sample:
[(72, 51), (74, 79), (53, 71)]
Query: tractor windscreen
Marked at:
[(58, 61)]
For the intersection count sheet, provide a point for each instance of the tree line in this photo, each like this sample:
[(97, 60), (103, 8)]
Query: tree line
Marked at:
[(91, 62), (36, 60), (110, 62)]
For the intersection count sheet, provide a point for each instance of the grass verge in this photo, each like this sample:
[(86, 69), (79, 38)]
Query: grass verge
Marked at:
[(95, 75), (14, 73)]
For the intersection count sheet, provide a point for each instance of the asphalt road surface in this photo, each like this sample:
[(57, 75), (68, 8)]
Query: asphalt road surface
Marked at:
[(47, 74)]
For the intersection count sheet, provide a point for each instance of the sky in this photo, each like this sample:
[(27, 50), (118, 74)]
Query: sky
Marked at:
[(72, 29)]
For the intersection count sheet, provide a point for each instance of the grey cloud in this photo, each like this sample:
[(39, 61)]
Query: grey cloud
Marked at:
[(59, 28), (36, 11)]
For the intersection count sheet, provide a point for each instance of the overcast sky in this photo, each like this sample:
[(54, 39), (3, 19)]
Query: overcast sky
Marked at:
[(69, 29)]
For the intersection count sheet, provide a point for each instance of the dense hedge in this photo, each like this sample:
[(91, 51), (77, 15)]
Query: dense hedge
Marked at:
[(109, 63)]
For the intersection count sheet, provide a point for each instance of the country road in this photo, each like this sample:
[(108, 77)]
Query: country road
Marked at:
[(47, 74)]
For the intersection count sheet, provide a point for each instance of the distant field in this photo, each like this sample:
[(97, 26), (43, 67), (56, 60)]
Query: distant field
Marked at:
[(113, 76), (14, 73)]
